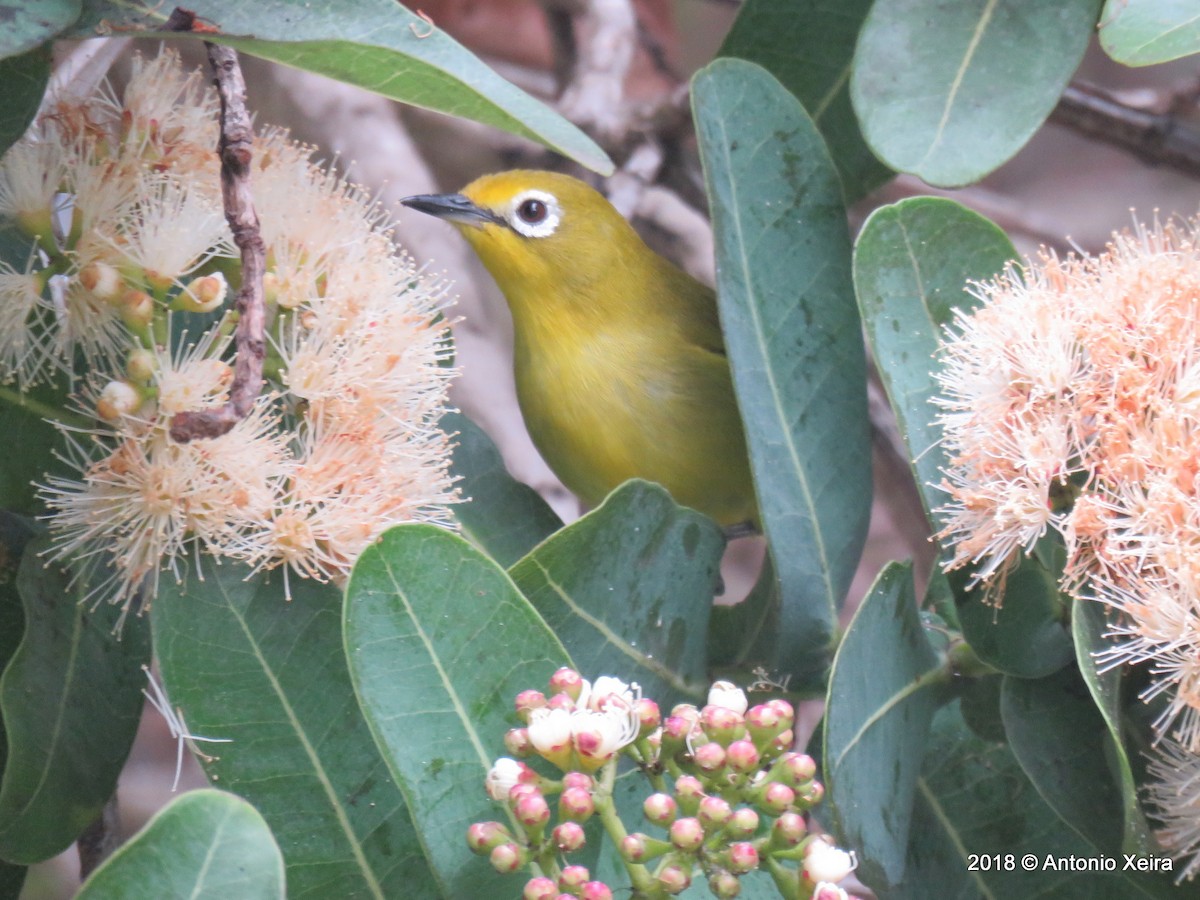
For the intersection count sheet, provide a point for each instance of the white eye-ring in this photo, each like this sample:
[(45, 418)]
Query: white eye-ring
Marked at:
[(534, 214)]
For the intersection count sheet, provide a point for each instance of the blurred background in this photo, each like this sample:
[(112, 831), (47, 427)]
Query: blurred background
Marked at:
[(620, 70)]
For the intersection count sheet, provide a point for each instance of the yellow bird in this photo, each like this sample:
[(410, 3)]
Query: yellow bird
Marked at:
[(619, 361)]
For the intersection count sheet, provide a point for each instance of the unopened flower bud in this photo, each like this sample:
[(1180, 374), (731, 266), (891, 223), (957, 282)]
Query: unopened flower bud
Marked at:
[(568, 836), (117, 399), (503, 775), (561, 701), (102, 280), (724, 885), (661, 809), (203, 294), (141, 366), (482, 837), (674, 879), (649, 716), (675, 731), (795, 769), (576, 804), (788, 830), (540, 888), (776, 798), (728, 695), (812, 795), (633, 847), (743, 857), (573, 878), (825, 862), (709, 758), (567, 681), (578, 780), (532, 811), (686, 834), (827, 891), (722, 725), (136, 308), (688, 793), (782, 742), (743, 823), (508, 857), (516, 742), (714, 813), (526, 702), (742, 756), (787, 713), (595, 890), (762, 721)]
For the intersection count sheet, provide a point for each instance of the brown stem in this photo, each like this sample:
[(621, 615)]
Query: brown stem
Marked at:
[(99, 839)]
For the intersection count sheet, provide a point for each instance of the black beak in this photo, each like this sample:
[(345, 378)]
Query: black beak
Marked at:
[(453, 208)]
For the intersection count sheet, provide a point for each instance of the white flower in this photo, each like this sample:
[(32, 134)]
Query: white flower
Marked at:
[(502, 777), (728, 695), (825, 862), (1174, 789)]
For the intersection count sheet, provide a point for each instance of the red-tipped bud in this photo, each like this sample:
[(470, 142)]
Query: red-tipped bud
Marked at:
[(812, 795), (568, 836), (649, 716), (527, 702), (796, 768), (532, 811), (573, 877), (508, 857), (709, 758), (714, 813), (674, 879), (782, 742), (743, 823), (524, 789), (540, 888), (576, 804), (567, 681), (689, 792), (762, 722), (661, 809), (787, 714), (561, 701), (578, 780), (675, 731), (595, 890), (827, 891), (777, 798), (742, 756), (788, 830), (633, 847), (743, 857), (724, 886), (721, 724), (482, 837), (516, 742), (686, 834)]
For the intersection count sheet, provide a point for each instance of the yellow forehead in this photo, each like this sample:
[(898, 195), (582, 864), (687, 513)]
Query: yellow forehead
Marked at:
[(495, 192)]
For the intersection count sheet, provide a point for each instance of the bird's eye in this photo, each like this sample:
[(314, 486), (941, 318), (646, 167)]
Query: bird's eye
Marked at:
[(532, 211)]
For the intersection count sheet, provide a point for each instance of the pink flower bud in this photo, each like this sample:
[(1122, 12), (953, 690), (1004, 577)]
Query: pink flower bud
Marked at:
[(532, 811), (568, 836), (516, 742), (742, 756), (508, 857), (576, 804), (796, 768), (812, 795), (689, 792), (724, 885), (633, 847), (579, 780), (595, 890), (788, 830), (524, 789), (661, 809), (743, 857), (787, 715), (709, 758), (561, 701), (649, 716), (777, 798), (722, 725), (674, 879), (686, 834), (743, 823), (827, 891), (567, 681), (540, 888), (762, 722), (573, 877), (483, 836), (714, 813), (783, 741)]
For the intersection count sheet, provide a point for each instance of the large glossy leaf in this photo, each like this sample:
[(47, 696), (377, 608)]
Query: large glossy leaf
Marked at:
[(204, 845), (809, 46), (912, 262), (1089, 625), (15, 534), (71, 699), (25, 462), (949, 91), (973, 800), (440, 641), (502, 516), (628, 589), (375, 44), (24, 78), (794, 341), (1145, 32), (883, 692), (32, 22), (243, 662)]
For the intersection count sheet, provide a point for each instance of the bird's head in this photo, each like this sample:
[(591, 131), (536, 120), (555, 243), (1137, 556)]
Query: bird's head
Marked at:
[(527, 226)]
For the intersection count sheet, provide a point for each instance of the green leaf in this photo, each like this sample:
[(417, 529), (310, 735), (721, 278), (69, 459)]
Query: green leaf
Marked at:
[(882, 696), (1028, 636), (204, 845), (742, 634), (973, 799), (31, 23), (1089, 625), (440, 641), (949, 91), (503, 517), (22, 466), (1145, 32), (628, 590), (243, 662), (1059, 739), (375, 44), (809, 46), (24, 78), (15, 534), (794, 341), (71, 698), (912, 262)]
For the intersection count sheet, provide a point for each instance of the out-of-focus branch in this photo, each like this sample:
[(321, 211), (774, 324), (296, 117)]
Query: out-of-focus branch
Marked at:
[(1152, 133)]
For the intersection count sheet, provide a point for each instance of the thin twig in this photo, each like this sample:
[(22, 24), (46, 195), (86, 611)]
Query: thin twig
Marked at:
[(99, 839), (1157, 137), (235, 149)]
